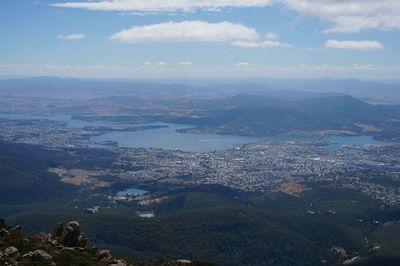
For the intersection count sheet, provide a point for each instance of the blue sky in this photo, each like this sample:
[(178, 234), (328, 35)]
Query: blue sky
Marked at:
[(204, 38)]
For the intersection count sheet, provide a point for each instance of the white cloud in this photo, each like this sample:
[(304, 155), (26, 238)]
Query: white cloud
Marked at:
[(199, 31), (363, 66), (162, 63), (163, 5), (355, 45), (346, 15), (270, 41), (186, 63), (261, 44), (72, 37), (271, 36), (243, 64), (187, 31), (351, 15)]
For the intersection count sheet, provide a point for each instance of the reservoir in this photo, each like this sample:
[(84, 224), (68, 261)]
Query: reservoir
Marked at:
[(132, 192)]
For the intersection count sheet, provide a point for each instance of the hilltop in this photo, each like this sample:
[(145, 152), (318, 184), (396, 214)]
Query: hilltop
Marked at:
[(66, 245)]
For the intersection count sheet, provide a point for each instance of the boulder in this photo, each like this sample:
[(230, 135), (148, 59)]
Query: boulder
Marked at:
[(104, 257), (27, 255), (184, 261), (41, 238), (117, 263), (57, 231), (11, 252), (41, 256), (104, 262), (68, 249), (69, 235), (104, 254)]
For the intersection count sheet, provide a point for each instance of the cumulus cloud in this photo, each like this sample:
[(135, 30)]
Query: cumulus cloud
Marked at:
[(72, 37), (354, 45), (346, 15), (162, 63), (198, 31), (187, 31), (351, 15), (162, 5)]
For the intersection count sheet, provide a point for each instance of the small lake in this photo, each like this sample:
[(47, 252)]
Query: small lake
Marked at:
[(133, 192), (168, 138)]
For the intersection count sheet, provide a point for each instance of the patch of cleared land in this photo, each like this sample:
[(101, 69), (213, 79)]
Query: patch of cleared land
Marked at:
[(80, 177), (293, 189), (368, 128)]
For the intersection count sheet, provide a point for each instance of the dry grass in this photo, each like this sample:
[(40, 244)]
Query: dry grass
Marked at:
[(293, 189), (368, 128), (80, 177)]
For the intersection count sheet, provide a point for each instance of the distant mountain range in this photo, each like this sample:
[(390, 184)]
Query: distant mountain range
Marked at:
[(384, 92), (257, 115), (267, 107)]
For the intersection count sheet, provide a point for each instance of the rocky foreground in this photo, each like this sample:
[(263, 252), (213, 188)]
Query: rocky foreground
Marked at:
[(66, 245)]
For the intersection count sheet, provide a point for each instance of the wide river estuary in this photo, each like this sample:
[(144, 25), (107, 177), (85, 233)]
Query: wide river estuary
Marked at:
[(168, 137)]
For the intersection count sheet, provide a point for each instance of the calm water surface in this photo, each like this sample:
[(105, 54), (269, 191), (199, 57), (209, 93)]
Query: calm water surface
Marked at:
[(132, 192), (168, 138)]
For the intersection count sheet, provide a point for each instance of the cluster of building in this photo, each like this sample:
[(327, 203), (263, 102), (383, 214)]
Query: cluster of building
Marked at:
[(266, 168), (250, 168)]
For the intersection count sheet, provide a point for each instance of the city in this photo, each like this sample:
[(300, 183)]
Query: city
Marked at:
[(372, 170)]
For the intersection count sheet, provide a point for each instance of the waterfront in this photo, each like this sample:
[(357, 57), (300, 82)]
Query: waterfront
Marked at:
[(168, 138)]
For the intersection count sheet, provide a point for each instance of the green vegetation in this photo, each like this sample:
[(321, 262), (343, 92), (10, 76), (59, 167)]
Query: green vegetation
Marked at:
[(205, 223), (59, 255), (25, 245), (24, 176), (257, 115), (384, 238), (215, 227)]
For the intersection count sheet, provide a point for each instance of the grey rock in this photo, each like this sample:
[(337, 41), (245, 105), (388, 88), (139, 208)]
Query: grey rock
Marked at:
[(104, 257), (104, 254), (69, 235), (27, 255), (104, 262), (11, 252), (67, 249), (41, 255), (117, 263)]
